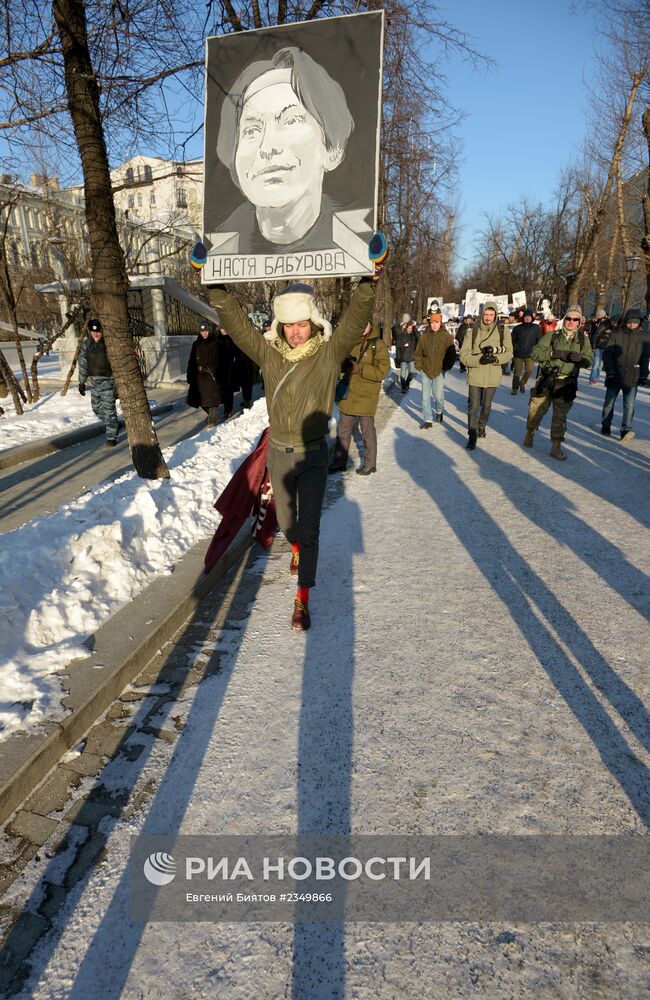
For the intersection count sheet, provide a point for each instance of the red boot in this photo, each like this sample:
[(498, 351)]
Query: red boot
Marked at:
[(300, 619)]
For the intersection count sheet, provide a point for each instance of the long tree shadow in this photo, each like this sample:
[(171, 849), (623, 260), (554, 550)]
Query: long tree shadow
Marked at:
[(325, 743), (165, 813), (539, 614), (553, 512), (598, 465)]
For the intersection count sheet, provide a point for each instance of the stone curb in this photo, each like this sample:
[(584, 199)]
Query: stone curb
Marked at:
[(48, 446), (121, 648)]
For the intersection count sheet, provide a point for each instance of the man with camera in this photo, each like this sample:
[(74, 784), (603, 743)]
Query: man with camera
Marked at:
[(561, 355), (367, 366), (485, 349)]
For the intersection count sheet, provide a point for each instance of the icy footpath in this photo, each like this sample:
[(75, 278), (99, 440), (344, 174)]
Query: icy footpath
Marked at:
[(477, 663), (66, 574), (53, 414)]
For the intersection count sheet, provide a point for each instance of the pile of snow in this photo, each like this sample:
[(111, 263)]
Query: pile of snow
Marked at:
[(65, 574), (53, 414)]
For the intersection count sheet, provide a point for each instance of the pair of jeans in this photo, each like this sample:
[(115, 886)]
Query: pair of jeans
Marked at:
[(407, 368), (594, 375), (435, 386), (629, 397)]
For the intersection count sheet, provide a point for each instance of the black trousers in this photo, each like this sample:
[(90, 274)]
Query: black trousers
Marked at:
[(479, 403), (228, 396), (298, 479)]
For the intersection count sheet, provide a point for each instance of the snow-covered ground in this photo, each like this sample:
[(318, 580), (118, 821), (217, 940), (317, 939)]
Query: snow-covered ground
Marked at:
[(65, 574), (53, 414), (477, 663)]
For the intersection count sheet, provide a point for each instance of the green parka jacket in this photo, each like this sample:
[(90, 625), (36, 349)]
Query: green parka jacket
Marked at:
[(431, 350), (363, 394), (299, 382)]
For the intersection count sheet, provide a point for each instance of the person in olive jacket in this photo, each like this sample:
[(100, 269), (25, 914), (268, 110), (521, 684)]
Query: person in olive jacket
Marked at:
[(369, 366), (561, 355), (485, 348), (300, 357), (203, 374), (434, 355), (625, 359)]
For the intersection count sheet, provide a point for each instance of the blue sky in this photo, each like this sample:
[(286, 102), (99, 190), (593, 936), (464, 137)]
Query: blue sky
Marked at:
[(527, 115)]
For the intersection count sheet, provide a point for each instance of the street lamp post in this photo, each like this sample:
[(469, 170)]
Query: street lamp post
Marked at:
[(631, 265)]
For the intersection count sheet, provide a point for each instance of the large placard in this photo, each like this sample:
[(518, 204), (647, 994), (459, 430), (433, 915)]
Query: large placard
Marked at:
[(292, 149)]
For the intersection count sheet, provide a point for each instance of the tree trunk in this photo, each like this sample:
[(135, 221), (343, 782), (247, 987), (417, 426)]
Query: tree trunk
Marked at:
[(66, 384), (45, 348), (110, 283), (17, 393), (645, 242)]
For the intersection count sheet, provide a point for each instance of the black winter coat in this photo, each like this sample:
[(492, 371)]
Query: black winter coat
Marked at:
[(236, 370), (599, 332), (405, 344), (626, 358), (524, 338), (203, 373), (460, 333)]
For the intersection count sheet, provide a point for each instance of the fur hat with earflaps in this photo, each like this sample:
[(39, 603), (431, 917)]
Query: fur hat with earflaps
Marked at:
[(294, 304)]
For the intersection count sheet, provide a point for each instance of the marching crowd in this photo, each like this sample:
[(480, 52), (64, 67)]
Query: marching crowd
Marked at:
[(519, 345), (305, 365)]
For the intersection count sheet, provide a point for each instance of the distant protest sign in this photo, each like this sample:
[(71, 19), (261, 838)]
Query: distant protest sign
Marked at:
[(519, 300), (471, 302), (502, 304), (292, 149), (434, 303)]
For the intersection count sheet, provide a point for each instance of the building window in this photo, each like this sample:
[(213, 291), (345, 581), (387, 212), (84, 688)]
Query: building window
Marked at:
[(129, 175), (15, 253), (131, 201), (139, 200), (181, 198), (152, 199), (33, 255), (148, 175)]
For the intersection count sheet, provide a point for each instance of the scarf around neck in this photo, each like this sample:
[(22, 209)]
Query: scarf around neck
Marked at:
[(293, 354)]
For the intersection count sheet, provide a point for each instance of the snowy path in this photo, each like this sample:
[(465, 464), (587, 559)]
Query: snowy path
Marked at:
[(477, 662)]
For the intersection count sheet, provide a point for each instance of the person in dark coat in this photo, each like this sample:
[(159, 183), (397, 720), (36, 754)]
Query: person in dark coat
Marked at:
[(626, 359), (599, 331), (235, 372), (203, 374), (525, 336), (95, 368), (405, 344), (461, 330)]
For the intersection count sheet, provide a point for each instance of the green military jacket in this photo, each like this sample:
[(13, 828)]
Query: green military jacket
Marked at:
[(562, 342), (299, 382), (363, 394)]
